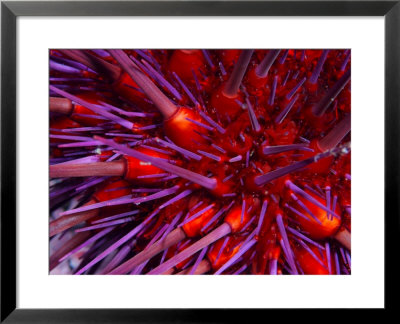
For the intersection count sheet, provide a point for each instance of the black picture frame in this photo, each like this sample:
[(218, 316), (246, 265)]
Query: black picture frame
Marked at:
[(10, 10)]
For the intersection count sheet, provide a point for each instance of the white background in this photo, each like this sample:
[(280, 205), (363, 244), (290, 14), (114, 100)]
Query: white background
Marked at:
[(364, 288)]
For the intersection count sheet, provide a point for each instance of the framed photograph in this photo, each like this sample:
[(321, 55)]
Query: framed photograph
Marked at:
[(162, 158)]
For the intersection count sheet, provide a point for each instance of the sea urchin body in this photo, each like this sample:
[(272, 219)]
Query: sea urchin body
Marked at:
[(200, 161)]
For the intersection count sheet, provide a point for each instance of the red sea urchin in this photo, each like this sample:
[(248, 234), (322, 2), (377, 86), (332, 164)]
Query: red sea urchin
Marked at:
[(200, 161)]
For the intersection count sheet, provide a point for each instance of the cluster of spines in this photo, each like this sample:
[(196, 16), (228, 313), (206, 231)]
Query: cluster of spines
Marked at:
[(221, 131)]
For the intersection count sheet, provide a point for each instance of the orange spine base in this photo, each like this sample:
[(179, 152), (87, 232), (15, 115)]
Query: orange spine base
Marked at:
[(217, 257), (138, 171), (194, 227), (317, 224), (79, 110), (183, 131), (226, 105), (256, 81), (236, 220), (113, 190), (310, 265)]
